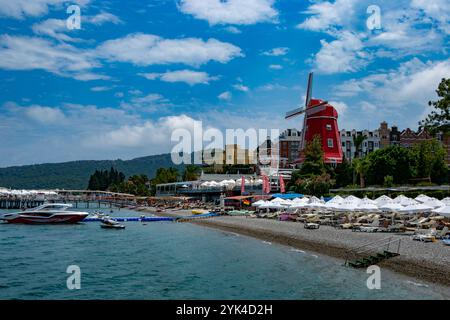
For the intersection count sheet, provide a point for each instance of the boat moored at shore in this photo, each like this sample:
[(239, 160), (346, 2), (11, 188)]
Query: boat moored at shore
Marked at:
[(50, 213)]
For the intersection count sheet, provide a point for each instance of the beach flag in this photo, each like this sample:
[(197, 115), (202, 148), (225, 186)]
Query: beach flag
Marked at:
[(266, 185), (242, 185), (282, 187)]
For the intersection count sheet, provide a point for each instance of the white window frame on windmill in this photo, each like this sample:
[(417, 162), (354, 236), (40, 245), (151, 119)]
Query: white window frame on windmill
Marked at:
[(330, 143), (329, 127)]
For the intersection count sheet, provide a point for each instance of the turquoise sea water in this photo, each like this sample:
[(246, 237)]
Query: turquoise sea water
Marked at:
[(167, 260)]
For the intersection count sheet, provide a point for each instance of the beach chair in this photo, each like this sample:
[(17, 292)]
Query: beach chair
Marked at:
[(441, 234)]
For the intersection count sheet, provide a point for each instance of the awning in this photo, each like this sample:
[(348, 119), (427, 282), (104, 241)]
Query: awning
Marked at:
[(287, 195)]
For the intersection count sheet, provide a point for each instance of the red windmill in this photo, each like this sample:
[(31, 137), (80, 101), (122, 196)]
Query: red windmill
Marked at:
[(320, 119)]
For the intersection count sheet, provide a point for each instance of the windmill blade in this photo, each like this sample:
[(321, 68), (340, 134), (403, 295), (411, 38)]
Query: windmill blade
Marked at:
[(309, 89), (295, 112), (316, 108)]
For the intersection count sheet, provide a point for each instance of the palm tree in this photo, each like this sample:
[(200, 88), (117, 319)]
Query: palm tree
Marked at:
[(361, 167), (357, 142)]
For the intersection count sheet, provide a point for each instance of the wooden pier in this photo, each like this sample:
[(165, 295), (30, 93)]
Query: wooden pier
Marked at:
[(81, 199)]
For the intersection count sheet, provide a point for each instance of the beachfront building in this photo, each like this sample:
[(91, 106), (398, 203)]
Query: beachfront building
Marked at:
[(370, 144), (209, 187), (232, 154), (289, 145), (409, 138)]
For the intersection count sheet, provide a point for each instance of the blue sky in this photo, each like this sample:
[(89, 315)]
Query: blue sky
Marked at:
[(137, 70)]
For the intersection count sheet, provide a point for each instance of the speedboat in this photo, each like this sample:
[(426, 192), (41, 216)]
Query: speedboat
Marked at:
[(111, 224), (98, 215), (49, 213)]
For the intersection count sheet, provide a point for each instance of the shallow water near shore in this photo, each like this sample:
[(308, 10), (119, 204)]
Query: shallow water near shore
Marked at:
[(163, 260)]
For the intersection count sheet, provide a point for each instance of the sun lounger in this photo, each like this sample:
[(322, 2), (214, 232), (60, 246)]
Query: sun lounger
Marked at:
[(424, 237), (312, 226)]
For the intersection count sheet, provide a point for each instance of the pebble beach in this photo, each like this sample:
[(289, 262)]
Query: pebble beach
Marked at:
[(429, 262)]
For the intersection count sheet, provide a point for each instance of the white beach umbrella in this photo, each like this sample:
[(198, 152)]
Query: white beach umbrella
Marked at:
[(258, 203), (336, 199), (443, 211), (435, 203), (265, 205), (314, 199), (391, 207), (383, 200), (416, 208), (353, 199), (334, 202), (368, 201), (346, 206), (365, 206), (405, 201), (423, 198)]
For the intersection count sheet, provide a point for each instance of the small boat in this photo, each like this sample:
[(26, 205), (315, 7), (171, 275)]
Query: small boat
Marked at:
[(199, 211), (111, 224), (49, 213)]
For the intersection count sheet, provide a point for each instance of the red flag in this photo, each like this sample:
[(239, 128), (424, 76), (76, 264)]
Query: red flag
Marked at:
[(266, 184), (282, 187), (242, 185)]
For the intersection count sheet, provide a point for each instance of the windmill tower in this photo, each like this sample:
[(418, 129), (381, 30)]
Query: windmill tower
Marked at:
[(320, 119)]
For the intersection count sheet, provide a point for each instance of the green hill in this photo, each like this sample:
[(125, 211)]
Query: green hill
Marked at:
[(75, 174)]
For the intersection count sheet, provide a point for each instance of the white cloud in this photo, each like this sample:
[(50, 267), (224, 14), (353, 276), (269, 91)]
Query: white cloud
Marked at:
[(19, 9), (271, 87), (227, 95), (44, 115), (275, 52), (346, 54), (232, 29), (188, 76), (28, 53), (149, 103), (439, 10), (100, 88), (403, 93), (341, 107), (57, 28), (54, 28), (102, 18), (241, 87), (147, 49), (275, 67), (408, 28), (326, 15), (367, 106), (231, 11), (31, 53)]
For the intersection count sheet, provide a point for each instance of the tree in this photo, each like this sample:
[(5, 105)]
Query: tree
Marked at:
[(314, 158), (164, 175), (358, 141), (312, 178), (191, 172), (430, 161), (103, 180), (439, 119), (343, 174), (362, 166), (395, 161)]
